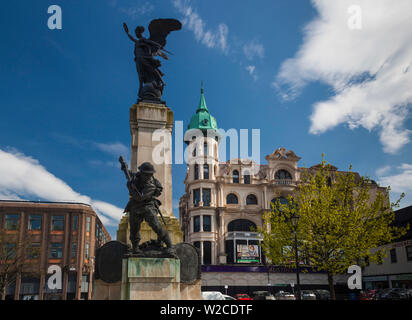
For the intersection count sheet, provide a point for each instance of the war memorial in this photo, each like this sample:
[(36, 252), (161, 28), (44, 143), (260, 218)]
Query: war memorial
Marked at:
[(148, 261)]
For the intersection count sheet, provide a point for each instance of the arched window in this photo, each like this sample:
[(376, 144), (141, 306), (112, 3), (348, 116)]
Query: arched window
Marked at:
[(240, 225), (282, 200), (231, 198), (283, 175), (251, 199), (235, 176)]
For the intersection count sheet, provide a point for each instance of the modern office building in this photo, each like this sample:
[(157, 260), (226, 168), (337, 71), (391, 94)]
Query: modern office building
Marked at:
[(42, 236)]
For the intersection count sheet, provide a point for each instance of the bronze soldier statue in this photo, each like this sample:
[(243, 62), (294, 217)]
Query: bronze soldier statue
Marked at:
[(143, 205)]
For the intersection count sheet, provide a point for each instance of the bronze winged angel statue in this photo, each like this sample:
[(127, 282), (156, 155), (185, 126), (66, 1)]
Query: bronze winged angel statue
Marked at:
[(145, 50)]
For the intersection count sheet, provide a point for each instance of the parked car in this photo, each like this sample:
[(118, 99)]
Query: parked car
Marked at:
[(307, 295), (262, 295), (397, 294), (212, 295), (322, 294), (242, 296), (367, 295), (228, 297), (283, 295)]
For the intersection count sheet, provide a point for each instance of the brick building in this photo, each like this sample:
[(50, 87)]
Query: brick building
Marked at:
[(54, 233)]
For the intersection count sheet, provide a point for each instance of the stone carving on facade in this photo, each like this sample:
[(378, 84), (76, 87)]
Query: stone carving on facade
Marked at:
[(283, 154)]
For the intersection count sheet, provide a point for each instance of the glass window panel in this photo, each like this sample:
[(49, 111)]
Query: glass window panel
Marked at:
[(251, 199), (58, 223), (231, 199), (35, 222), (75, 222), (12, 221), (207, 223), (88, 224), (235, 176), (196, 197), (196, 171), (282, 175), (206, 194), (196, 224), (74, 250), (207, 252), (33, 251), (246, 179), (10, 251), (56, 250), (205, 171)]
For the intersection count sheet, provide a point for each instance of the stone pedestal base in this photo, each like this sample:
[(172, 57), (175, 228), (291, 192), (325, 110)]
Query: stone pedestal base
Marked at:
[(172, 226), (106, 291), (150, 279), (191, 291)]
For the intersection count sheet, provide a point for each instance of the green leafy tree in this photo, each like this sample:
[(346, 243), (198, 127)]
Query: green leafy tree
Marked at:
[(341, 217)]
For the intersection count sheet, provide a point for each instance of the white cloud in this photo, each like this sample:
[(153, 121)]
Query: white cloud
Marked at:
[(252, 71), (368, 69), (400, 182), (137, 10), (192, 20), (383, 170), (115, 148), (24, 177), (253, 49)]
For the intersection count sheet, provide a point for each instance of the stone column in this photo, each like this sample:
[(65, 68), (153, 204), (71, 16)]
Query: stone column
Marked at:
[(145, 118)]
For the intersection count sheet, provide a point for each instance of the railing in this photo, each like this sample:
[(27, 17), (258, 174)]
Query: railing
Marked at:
[(284, 181)]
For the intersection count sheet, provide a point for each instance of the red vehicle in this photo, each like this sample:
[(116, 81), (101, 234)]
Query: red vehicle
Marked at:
[(367, 295), (242, 296)]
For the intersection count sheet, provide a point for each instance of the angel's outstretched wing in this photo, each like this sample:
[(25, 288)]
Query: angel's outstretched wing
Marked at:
[(160, 28)]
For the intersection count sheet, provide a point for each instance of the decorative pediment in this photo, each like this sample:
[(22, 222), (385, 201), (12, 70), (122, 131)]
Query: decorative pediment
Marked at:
[(283, 154)]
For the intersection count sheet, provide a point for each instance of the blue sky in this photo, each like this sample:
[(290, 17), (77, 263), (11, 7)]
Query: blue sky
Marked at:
[(293, 69)]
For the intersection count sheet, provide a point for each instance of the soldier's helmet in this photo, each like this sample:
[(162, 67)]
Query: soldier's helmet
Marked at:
[(147, 167)]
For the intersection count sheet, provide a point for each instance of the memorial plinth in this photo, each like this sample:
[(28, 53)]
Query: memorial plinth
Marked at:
[(145, 119), (150, 279)]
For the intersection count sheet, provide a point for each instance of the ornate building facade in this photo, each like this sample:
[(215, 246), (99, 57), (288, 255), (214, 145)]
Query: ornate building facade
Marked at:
[(223, 200)]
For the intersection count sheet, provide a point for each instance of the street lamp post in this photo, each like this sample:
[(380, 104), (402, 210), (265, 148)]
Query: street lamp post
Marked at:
[(295, 219)]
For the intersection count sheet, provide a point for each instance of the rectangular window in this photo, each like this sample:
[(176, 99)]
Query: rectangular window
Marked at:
[(196, 224), (206, 171), (246, 179), (33, 251), (74, 250), (196, 197), (207, 223), (205, 149), (196, 171), (207, 252), (409, 253), (394, 259), (35, 222), (56, 250), (86, 251), (88, 224), (75, 222), (206, 197), (12, 221), (57, 223), (10, 251)]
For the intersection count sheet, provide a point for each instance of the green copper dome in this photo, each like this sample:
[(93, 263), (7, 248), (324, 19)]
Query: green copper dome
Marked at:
[(202, 120)]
